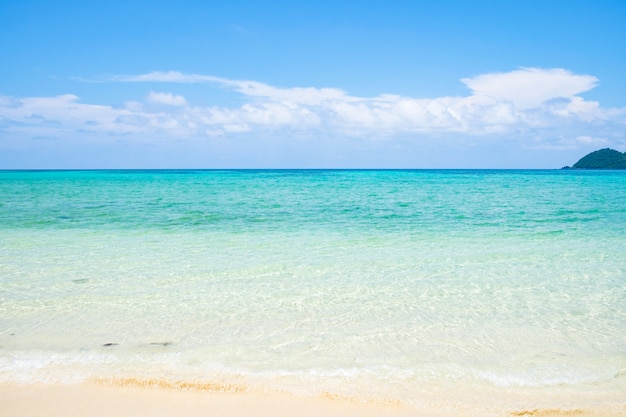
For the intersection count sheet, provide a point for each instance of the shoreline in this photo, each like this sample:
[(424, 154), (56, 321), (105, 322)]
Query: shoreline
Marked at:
[(143, 399)]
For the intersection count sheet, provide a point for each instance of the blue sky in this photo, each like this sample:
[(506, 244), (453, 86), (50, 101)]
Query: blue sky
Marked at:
[(311, 84)]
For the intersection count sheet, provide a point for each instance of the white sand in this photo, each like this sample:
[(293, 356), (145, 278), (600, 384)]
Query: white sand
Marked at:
[(102, 400), (96, 400)]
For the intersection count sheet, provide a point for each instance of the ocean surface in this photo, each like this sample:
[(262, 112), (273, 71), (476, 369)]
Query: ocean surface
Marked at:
[(491, 291)]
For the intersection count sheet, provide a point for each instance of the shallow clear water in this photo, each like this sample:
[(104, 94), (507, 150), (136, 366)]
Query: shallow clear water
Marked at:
[(488, 289)]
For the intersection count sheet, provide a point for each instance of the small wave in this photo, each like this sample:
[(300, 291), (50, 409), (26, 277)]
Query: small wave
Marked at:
[(543, 378), (50, 368)]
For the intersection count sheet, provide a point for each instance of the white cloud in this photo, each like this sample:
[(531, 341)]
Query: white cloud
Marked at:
[(526, 101), (166, 99), (530, 87), (306, 95), (164, 77), (64, 113)]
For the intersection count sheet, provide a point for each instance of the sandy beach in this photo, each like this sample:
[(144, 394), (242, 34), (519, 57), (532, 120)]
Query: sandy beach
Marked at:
[(98, 400), (104, 400)]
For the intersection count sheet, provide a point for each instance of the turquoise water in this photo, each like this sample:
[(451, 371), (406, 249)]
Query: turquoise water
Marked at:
[(474, 290)]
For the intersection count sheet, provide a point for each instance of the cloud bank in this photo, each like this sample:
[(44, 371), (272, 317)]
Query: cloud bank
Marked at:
[(540, 104)]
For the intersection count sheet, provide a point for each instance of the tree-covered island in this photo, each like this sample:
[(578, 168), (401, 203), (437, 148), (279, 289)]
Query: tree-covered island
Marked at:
[(601, 159)]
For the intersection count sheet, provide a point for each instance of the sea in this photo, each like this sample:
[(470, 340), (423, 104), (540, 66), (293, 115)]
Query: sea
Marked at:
[(469, 292)]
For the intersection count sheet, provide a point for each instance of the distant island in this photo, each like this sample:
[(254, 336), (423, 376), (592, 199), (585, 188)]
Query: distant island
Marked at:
[(601, 159)]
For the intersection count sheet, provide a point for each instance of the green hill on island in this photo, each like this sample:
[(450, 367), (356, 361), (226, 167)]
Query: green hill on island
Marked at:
[(602, 159)]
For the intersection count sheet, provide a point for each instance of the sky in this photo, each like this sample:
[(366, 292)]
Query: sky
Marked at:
[(310, 84)]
